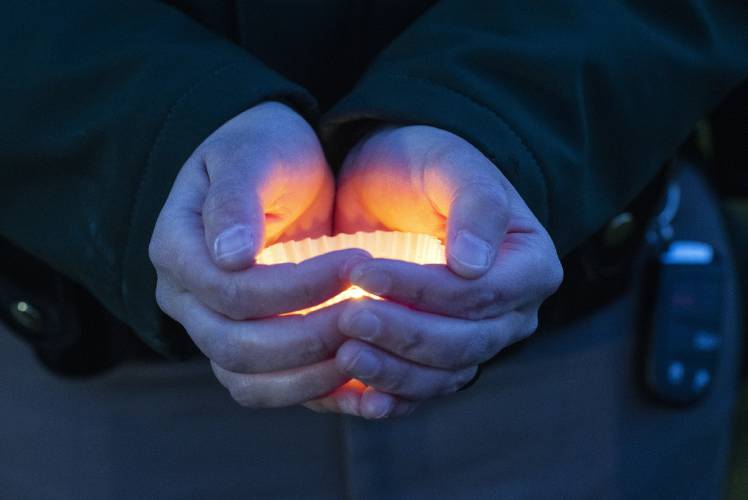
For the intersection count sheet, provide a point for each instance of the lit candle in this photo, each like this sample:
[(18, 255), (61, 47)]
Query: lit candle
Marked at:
[(409, 247)]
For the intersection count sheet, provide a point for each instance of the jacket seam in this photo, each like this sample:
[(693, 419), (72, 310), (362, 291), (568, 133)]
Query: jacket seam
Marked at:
[(528, 151), (147, 168)]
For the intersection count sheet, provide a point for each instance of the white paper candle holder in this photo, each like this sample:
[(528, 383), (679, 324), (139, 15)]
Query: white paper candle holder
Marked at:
[(410, 247)]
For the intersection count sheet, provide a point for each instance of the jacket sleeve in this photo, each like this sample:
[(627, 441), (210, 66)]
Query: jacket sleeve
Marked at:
[(578, 102), (101, 102)]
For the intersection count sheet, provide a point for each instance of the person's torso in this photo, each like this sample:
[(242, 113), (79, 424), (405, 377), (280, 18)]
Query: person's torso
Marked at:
[(323, 45)]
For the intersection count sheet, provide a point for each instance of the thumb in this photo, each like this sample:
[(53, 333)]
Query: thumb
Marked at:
[(234, 222), (476, 223)]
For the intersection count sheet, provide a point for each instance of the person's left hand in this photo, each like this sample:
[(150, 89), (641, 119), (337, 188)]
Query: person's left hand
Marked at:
[(439, 322)]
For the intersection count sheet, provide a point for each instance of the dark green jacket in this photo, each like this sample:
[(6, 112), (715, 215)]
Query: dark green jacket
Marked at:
[(578, 102)]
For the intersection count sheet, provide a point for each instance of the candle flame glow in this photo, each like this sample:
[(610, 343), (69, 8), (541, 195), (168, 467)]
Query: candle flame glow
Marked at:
[(352, 293), (410, 247)]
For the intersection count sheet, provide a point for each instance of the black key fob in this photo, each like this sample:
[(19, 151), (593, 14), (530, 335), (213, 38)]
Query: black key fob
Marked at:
[(684, 320)]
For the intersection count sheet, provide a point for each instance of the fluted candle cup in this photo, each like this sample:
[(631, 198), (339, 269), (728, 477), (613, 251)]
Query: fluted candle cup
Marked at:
[(410, 247)]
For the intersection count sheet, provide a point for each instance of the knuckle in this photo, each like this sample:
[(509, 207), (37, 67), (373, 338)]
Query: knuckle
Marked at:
[(315, 348), (231, 297), (449, 358), (462, 378), (554, 277), (395, 380), (180, 263), (538, 260), (547, 269), (455, 300), (307, 290), (480, 301), (411, 339), (531, 326), (327, 337), (394, 383), (418, 293), (158, 252), (154, 251), (479, 348), (225, 353), (162, 299)]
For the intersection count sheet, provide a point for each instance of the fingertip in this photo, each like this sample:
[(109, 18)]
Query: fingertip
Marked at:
[(372, 280), (376, 405), (470, 256), (345, 320), (345, 355), (234, 248), (360, 253), (359, 322), (476, 224), (356, 257), (348, 397)]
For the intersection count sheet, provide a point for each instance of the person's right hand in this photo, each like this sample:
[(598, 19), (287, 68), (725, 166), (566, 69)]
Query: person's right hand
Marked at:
[(259, 178)]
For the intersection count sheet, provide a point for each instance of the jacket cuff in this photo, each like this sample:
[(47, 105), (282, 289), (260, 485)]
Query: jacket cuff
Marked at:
[(200, 110), (408, 100)]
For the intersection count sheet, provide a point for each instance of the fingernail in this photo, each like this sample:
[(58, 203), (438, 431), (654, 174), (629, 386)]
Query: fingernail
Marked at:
[(364, 365), (364, 325), (232, 241), (471, 251), (372, 281)]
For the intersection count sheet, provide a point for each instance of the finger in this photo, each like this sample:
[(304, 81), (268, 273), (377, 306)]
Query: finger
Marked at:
[(178, 249), (265, 168), (345, 399), (465, 187), (281, 388), (431, 340), (377, 405), (356, 399), (476, 224), (255, 346), (393, 375), (435, 289), (259, 291), (262, 291), (526, 271), (180, 215), (233, 214)]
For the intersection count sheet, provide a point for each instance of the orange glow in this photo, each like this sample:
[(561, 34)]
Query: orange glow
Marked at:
[(353, 293), (410, 247), (354, 385)]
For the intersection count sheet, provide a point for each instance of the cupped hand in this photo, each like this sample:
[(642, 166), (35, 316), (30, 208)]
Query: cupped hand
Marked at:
[(259, 178), (439, 322)]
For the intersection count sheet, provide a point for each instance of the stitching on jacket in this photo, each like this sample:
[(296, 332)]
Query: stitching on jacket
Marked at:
[(144, 173), (479, 105)]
